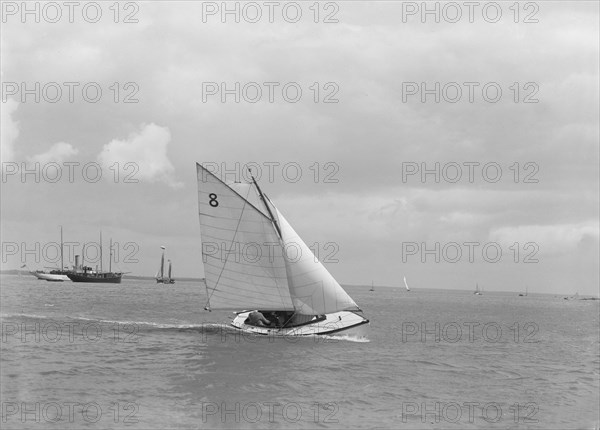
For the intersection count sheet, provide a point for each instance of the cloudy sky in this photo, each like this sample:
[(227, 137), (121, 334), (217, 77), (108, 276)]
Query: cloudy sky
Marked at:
[(339, 118)]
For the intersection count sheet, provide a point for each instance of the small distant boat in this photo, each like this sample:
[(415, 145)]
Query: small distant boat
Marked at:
[(55, 275), (170, 279), (406, 284), (523, 295), (161, 270), (372, 287), (295, 296), (477, 291), (87, 274), (160, 275)]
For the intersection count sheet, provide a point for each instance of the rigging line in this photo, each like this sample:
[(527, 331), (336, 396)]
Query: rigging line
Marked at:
[(262, 197), (281, 244), (277, 229)]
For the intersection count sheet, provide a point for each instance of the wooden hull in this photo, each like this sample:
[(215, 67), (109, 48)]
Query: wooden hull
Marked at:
[(344, 322), (104, 278)]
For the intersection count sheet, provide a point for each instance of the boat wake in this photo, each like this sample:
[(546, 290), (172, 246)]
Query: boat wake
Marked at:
[(143, 325), (347, 338), (207, 328)]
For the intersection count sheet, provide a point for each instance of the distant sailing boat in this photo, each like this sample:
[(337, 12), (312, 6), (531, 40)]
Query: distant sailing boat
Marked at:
[(54, 275), (523, 295), (406, 285), (477, 292), (372, 287), (161, 271), (170, 279), (87, 274), (296, 294), (160, 275)]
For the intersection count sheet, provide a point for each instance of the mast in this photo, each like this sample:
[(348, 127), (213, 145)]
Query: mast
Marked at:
[(83, 256), (62, 263), (101, 251), (110, 257), (169, 269), (162, 263), (262, 197)]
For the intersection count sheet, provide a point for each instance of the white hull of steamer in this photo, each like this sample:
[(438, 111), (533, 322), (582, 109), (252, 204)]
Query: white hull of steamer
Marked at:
[(343, 322), (50, 277)]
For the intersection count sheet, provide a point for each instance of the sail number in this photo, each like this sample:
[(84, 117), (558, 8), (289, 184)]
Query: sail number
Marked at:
[(213, 200)]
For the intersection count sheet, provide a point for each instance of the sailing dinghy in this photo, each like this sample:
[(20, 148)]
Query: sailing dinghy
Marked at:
[(254, 261)]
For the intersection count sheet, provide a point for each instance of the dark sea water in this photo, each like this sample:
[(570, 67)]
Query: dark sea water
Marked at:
[(144, 356)]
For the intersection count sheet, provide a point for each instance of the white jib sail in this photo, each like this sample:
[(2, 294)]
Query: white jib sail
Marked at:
[(314, 290), (243, 260)]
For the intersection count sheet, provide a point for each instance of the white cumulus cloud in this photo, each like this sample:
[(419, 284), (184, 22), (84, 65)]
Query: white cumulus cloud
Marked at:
[(58, 152), (147, 149)]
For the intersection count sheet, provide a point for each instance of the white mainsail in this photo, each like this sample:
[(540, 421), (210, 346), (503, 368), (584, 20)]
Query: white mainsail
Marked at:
[(274, 272), (406, 284), (243, 263), (161, 272)]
